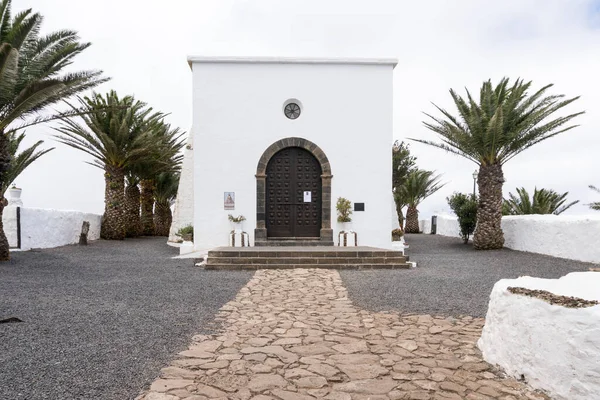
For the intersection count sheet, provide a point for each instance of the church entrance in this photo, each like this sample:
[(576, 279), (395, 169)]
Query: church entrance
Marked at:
[(293, 195)]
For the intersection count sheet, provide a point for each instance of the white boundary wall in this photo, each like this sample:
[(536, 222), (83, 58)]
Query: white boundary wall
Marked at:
[(567, 236), (554, 347), (45, 228)]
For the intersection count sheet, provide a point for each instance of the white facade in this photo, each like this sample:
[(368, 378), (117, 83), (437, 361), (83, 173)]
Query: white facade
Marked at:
[(346, 110), (183, 212), (555, 348)]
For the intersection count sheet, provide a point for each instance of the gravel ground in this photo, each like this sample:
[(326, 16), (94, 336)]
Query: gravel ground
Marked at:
[(100, 321), (450, 279)]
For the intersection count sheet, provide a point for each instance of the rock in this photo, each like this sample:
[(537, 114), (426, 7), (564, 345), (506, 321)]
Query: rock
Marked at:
[(297, 373), (367, 386), (160, 396), (210, 392), (285, 395), (164, 385), (215, 365), (350, 348), (409, 345), (355, 359), (311, 350), (258, 342), (311, 382), (363, 371), (324, 370), (262, 382), (176, 372), (277, 351), (209, 346), (452, 387)]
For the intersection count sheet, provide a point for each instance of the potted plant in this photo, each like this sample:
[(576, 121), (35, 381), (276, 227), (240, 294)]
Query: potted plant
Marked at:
[(397, 235), (186, 233), (237, 222), (344, 210)]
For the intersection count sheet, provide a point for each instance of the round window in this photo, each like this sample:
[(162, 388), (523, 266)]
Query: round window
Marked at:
[(292, 110)]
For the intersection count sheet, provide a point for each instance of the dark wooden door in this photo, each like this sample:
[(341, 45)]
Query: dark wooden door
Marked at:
[(292, 213)]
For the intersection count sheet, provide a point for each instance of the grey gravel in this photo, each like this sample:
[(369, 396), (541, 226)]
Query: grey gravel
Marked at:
[(101, 321), (451, 278)]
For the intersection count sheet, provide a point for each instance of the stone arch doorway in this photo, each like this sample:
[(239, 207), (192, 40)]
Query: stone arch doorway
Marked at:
[(284, 216)]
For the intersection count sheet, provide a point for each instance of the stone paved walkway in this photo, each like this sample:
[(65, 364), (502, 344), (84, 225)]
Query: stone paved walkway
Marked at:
[(295, 335)]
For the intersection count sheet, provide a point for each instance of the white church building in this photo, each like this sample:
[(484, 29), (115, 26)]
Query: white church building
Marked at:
[(279, 140)]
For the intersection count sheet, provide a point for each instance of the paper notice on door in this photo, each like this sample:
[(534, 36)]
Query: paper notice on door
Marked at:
[(307, 197)]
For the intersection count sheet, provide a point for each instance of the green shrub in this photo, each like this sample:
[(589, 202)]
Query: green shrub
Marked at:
[(397, 235), (344, 209), (186, 232), (465, 208)]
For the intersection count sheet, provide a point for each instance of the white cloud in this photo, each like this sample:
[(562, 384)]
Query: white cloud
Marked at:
[(439, 44)]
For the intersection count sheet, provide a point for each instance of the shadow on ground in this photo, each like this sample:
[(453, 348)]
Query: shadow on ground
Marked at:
[(100, 321), (451, 278)]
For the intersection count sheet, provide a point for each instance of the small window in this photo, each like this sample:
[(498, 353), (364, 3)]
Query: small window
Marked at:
[(292, 110)]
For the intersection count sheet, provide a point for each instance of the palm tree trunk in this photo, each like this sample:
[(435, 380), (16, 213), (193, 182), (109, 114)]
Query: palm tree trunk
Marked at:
[(163, 219), (148, 207), (113, 222), (4, 165), (488, 232), (4, 246), (132, 206), (412, 220), (400, 215)]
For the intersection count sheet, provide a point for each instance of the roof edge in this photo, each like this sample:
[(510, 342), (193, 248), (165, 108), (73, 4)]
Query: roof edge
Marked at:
[(290, 60)]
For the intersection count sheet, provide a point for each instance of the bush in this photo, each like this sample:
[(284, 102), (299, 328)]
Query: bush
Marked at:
[(397, 235), (344, 209), (186, 232), (465, 208)]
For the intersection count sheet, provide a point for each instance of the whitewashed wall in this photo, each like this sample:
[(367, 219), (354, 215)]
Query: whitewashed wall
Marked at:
[(554, 347), (566, 236), (238, 106), (183, 214), (45, 228)]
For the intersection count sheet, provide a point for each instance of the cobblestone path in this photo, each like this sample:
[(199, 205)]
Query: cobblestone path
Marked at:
[(294, 335)]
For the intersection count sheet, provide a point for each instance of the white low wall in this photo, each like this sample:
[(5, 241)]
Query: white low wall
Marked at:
[(555, 348), (566, 236), (45, 228)]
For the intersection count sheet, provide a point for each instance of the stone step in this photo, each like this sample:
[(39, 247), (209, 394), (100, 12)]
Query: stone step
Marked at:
[(290, 266), (304, 254), (306, 260)]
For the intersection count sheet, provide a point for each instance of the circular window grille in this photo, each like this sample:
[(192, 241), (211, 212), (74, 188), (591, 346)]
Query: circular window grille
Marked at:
[(292, 111)]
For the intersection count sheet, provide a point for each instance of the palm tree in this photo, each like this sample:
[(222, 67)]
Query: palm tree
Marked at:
[(19, 160), (116, 132), (402, 164), (31, 79), (595, 205), (165, 157), (166, 191), (419, 185), (505, 122), (544, 201)]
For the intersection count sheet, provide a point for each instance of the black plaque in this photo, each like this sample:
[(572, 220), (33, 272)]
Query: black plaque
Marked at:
[(359, 206)]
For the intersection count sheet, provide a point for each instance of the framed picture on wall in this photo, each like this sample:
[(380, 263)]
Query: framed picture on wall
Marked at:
[(229, 200)]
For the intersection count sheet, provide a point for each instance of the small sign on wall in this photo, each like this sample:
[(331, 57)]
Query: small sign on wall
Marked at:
[(308, 197), (229, 200)]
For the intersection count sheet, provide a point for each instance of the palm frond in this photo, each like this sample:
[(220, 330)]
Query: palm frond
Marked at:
[(503, 123)]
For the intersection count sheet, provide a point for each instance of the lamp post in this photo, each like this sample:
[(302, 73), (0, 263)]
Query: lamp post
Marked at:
[(474, 182)]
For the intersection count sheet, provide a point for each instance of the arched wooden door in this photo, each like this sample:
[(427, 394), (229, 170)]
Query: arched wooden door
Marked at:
[(293, 195)]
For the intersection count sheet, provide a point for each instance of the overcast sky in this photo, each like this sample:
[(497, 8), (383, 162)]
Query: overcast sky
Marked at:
[(143, 44)]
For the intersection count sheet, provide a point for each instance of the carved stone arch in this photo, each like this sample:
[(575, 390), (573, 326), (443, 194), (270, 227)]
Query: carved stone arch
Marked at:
[(326, 233)]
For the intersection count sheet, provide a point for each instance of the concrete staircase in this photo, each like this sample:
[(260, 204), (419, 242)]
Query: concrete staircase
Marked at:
[(305, 257)]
